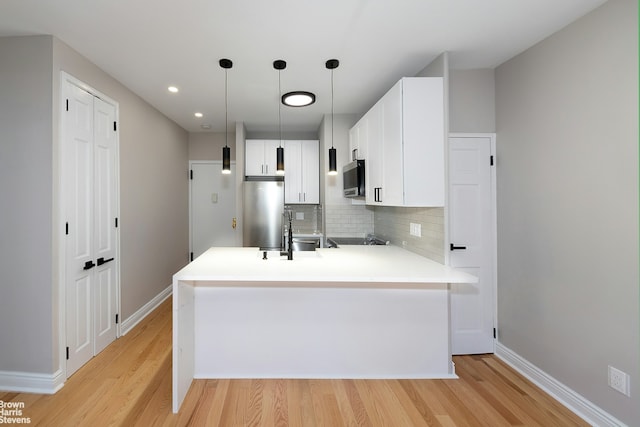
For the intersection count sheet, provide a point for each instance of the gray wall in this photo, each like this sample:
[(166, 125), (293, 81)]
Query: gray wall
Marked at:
[(208, 145), (472, 103), (153, 185), (567, 138), (26, 210), (153, 203)]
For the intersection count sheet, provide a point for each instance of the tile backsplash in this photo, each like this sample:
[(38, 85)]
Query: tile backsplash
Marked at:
[(392, 223), (306, 218), (346, 220)]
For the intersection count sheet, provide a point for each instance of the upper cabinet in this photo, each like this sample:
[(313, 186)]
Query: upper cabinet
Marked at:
[(260, 157), (302, 172), (404, 137)]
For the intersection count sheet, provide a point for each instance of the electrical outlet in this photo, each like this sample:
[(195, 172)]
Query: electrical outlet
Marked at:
[(415, 229), (619, 381)]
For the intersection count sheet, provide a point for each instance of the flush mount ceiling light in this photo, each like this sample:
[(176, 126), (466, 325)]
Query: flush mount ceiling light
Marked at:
[(298, 98), (172, 89), (226, 151), (198, 115)]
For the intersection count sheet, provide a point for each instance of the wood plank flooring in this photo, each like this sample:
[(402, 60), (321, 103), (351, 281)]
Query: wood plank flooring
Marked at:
[(129, 384)]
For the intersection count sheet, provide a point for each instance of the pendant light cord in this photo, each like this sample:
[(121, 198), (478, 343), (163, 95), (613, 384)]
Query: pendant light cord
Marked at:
[(226, 109), (279, 107), (332, 108)]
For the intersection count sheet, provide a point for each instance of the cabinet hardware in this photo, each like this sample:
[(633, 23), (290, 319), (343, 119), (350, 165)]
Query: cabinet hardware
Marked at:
[(454, 247), (103, 261)]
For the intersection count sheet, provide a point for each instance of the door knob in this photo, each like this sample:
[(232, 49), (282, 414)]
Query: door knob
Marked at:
[(454, 247), (234, 223), (103, 261)]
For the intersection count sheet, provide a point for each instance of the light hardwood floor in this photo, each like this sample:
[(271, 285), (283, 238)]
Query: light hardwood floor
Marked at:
[(129, 384)]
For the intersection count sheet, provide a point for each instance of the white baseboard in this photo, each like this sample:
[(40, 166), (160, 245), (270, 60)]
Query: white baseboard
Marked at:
[(28, 382), (575, 402), (129, 323)]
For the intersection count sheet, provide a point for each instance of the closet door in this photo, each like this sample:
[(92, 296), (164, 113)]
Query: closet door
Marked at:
[(89, 173)]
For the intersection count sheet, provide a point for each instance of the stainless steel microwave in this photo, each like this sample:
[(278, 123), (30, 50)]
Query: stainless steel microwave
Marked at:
[(353, 179)]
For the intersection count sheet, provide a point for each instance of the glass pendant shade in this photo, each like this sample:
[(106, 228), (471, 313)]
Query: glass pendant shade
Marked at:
[(226, 160), (280, 161)]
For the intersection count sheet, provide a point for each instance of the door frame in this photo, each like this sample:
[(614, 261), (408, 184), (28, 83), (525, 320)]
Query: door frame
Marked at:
[(210, 162), (61, 197), (494, 218)]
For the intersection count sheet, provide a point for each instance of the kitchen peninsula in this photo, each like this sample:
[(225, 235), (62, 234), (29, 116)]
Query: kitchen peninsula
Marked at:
[(348, 312)]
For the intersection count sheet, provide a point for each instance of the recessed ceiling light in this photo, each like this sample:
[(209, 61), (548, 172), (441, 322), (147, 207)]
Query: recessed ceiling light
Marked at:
[(173, 89), (298, 98), (198, 115), (205, 126)]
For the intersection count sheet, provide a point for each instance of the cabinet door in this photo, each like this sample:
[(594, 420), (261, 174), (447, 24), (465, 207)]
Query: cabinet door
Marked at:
[(292, 172), (310, 172), (254, 157), (270, 163), (392, 167), (423, 141), (372, 128)]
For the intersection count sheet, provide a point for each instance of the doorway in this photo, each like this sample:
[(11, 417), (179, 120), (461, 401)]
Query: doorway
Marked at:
[(212, 207), (472, 241), (90, 204)]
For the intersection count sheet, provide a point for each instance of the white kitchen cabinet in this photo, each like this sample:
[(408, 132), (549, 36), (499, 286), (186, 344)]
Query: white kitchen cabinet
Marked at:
[(405, 145), (358, 140), (260, 157), (302, 172)]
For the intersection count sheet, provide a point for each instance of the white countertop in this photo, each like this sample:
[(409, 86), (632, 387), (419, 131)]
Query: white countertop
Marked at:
[(355, 264)]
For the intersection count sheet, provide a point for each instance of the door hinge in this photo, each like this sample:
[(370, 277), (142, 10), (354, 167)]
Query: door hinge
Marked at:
[(191, 256), (116, 221), (191, 174), (117, 321), (67, 353), (67, 105), (114, 127), (66, 228), (495, 333), (491, 160)]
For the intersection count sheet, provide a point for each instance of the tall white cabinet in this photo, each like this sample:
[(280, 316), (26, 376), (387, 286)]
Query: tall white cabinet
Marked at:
[(302, 172), (404, 138)]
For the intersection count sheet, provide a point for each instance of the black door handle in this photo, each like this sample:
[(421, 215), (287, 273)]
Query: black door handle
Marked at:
[(89, 265), (454, 247), (103, 261)]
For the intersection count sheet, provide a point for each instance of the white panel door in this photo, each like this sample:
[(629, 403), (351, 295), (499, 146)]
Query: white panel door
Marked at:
[(104, 196), (90, 191), (212, 206), (79, 207), (471, 244)]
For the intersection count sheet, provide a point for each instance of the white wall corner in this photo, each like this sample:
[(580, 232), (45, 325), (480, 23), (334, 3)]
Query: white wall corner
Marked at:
[(28, 382), (129, 323), (579, 405)]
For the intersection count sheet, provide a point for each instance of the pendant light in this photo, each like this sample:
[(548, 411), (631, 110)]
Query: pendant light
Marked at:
[(226, 151), (332, 64), (279, 65)]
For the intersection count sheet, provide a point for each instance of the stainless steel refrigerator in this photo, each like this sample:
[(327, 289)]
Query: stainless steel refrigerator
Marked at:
[(263, 214)]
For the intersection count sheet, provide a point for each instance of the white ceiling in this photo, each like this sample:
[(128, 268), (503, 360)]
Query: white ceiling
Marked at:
[(150, 44)]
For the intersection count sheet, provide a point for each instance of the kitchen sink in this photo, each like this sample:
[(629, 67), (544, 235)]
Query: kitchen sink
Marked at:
[(335, 242)]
